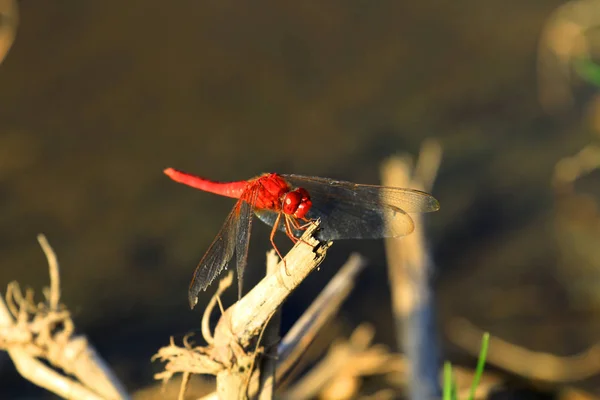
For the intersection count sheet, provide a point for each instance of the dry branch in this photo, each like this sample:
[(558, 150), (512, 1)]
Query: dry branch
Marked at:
[(321, 311), (30, 331), (570, 169), (246, 318), (526, 363), (268, 363), (409, 266), (9, 19), (301, 335), (233, 350), (338, 375)]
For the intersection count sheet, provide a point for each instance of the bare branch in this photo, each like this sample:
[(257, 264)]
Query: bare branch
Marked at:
[(339, 373), (269, 362), (9, 19), (39, 374), (185, 379), (223, 285), (245, 319), (409, 265), (530, 364), (29, 331), (321, 311), (54, 295), (314, 318), (232, 353)]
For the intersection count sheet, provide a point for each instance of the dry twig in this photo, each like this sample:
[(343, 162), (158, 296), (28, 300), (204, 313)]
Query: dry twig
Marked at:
[(569, 169), (269, 362), (338, 375), (232, 352), (29, 331), (321, 311), (409, 265), (297, 340), (9, 19), (526, 363)]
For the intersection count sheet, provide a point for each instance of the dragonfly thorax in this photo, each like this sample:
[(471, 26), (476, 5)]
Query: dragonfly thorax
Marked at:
[(297, 203)]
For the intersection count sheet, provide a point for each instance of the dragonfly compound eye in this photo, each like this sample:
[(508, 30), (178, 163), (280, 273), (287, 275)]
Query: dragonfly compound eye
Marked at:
[(303, 208), (304, 204), (291, 201)]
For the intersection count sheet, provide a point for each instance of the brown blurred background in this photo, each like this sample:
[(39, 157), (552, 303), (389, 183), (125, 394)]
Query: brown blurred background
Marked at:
[(97, 97)]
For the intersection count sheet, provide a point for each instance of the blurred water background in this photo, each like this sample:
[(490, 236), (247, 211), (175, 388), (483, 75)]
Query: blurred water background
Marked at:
[(97, 97)]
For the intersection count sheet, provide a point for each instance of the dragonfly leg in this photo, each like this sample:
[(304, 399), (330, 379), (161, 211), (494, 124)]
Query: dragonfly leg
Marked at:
[(307, 223), (272, 238), (291, 221), (288, 230)]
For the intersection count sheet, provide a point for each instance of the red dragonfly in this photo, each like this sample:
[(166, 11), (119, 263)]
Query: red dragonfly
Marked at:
[(290, 202)]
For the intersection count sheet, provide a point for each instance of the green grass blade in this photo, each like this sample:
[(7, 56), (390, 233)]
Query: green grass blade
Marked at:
[(447, 389), (480, 365), (454, 393), (588, 70)]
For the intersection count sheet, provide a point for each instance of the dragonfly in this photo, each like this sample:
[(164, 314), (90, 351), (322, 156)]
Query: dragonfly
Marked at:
[(289, 203)]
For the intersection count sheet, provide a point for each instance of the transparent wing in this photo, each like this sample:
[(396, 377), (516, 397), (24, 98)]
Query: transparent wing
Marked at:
[(242, 241), (354, 211), (409, 200), (217, 256), (269, 217), (347, 222)]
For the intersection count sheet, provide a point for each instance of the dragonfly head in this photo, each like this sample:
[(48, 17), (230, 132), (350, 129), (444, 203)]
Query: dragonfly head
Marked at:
[(297, 203)]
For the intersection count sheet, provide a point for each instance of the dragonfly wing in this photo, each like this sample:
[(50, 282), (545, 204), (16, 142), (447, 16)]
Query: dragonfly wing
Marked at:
[(217, 257), (353, 211), (348, 221), (243, 237), (269, 217), (409, 200)]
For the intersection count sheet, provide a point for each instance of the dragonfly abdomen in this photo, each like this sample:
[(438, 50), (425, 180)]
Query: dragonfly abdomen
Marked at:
[(228, 189)]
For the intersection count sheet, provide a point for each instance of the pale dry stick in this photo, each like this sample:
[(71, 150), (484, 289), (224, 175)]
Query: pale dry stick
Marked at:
[(526, 363), (185, 380), (15, 341), (428, 165), (189, 359), (564, 39), (268, 363), (229, 357), (243, 322), (339, 373), (409, 266), (39, 374), (571, 393), (245, 319), (78, 354), (321, 311), (463, 378), (9, 20), (570, 169), (53, 295), (224, 283), (45, 331)]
